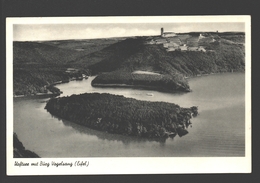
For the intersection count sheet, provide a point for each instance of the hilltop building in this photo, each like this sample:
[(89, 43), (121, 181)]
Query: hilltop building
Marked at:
[(183, 48), (160, 41), (167, 34), (174, 40), (201, 36), (180, 42), (167, 45), (193, 48), (201, 48)]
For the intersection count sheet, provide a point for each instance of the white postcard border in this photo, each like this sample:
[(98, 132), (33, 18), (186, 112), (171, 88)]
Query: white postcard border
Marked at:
[(154, 165)]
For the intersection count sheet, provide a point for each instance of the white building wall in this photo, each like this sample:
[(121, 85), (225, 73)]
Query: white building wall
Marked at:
[(169, 34)]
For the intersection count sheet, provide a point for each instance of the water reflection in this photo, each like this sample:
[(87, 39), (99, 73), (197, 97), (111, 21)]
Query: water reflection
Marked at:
[(126, 140), (219, 130)]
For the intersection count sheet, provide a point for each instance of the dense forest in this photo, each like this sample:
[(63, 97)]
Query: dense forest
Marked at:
[(127, 116), (222, 56), (120, 78), (37, 65), (19, 150), (40, 78)]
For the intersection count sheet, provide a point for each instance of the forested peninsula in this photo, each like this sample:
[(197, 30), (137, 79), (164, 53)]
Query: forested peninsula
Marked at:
[(39, 65), (121, 115)]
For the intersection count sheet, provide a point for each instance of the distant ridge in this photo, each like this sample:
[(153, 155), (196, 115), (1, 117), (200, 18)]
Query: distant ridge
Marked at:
[(37, 64)]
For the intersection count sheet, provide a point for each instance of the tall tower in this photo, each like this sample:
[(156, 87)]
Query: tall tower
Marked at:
[(162, 31)]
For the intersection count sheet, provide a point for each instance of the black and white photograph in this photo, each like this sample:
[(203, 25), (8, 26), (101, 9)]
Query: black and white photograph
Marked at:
[(104, 95)]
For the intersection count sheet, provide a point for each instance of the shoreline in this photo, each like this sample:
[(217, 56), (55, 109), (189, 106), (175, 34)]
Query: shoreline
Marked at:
[(37, 95), (135, 117), (154, 88), (19, 151), (49, 93), (63, 126), (213, 73), (119, 86)]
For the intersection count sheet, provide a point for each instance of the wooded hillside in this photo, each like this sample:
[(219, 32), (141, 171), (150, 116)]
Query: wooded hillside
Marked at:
[(117, 114), (37, 64)]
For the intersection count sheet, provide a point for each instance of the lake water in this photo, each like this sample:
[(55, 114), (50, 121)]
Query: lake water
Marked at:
[(219, 130)]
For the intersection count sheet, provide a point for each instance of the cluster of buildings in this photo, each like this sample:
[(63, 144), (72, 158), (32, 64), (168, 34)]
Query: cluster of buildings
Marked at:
[(173, 42)]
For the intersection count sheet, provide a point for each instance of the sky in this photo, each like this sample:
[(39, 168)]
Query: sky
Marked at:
[(41, 32)]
